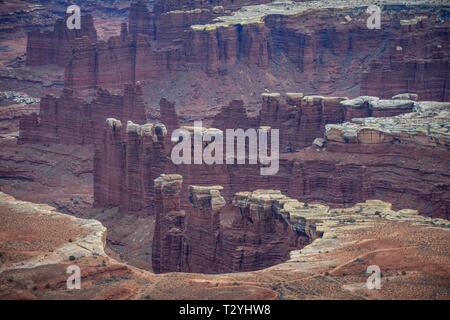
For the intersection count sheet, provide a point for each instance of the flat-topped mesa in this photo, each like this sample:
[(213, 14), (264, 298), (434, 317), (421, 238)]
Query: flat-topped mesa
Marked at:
[(266, 208), (164, 25), (412, 146), (367, 106), (301, 119), (169, 224), (234, 115), (171, 26), (286, 41), (426, 127), (55, 47)]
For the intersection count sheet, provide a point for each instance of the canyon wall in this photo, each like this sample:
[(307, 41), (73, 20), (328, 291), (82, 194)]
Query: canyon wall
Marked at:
[(327, 50), (416, 64), (161, 6), (128, 160), (69, 119), (266, 226), (301, 119), (55, 47), (339, 173)]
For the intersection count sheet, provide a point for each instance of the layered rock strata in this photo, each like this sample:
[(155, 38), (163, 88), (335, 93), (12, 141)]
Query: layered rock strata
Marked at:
[(354, 161), (69, 119), (301, 119), (399, 67), (128, 161), (169, 224), (266, 228), (328, 46), (410, 250), (56, 46)]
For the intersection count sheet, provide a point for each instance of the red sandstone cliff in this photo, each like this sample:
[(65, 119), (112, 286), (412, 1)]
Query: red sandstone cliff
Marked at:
[(344, 173), (318, 51), (416, 62), (137, 156), (68, 119), (265, 229), (56, 46)]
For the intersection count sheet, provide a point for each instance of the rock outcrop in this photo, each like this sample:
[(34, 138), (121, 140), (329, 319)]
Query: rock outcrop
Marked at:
[(400, 69), (137, 156), (30, 245), (69, 119), (169, 224), (56, 46), (410, 250), (301, 119), (267, 226), (314, 50), (363, 159)]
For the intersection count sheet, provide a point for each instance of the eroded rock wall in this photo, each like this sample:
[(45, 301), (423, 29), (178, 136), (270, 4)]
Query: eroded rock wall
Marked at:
[(55, 47), (352, 162), (327, 50), (265, 227), (69, 119)]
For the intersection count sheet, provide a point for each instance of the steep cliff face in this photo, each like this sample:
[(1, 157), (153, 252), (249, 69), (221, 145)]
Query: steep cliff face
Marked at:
[(169, 224), (137, 156), (56, 46), (161, 6), (35, 261), (301, 119), (343, 172), (234, 115), (68, 119), (202, 247), (392, 146), (214, 48), (415, 62), (141, 20), (267, 227), (328, 50), (168, 115)]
